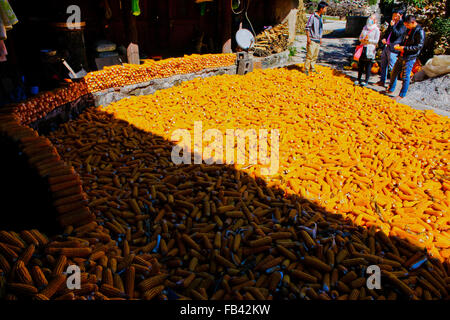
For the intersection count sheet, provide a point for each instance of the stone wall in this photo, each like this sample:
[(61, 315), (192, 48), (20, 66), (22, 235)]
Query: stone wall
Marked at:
[(273, 61)]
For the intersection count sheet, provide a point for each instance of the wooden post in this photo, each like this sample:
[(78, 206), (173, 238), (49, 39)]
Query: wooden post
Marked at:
[(291, 19), (129, 21), (225, 9)]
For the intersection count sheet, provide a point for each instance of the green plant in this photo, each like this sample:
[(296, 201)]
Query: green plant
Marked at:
[(415, 3), (442, 27), (372, 2), (292, 51)]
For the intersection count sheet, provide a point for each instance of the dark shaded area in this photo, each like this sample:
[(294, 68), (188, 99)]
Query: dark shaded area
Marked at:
[(25, 197), (338, 33), (62, 114), (12, 88)]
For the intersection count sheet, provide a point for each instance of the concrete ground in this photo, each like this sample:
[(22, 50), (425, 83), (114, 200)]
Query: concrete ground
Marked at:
[(337, 51)]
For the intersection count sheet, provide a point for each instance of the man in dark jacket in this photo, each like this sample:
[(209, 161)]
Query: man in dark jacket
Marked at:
[(393, 36), (410, 48)]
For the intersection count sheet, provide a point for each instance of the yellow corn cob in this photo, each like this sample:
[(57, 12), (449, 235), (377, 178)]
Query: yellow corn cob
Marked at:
[(60, 265), (40, 297), (27, 254), (152, 282), (54, 285), (38, 277), (22, 273), (9, 238), (110, 291), (130, 275), (153, 292), (22, 288), (118, 283)]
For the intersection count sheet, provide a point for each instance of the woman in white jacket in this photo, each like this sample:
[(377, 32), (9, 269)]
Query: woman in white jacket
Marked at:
[(369, 37)]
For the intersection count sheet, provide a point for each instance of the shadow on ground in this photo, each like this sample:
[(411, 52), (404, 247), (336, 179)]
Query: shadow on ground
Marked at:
[(288, 247)]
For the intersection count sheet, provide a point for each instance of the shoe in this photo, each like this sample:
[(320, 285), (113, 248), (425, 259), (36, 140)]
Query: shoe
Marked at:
[(364, 84), (307, 72), (357, 83), (389, 93)]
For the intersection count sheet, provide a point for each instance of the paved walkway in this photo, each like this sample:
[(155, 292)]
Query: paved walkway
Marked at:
[(336, 52)]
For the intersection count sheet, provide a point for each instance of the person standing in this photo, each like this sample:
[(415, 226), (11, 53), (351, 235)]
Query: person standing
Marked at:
[(393, 36), (410, 49), (314, 32), (369, 37)]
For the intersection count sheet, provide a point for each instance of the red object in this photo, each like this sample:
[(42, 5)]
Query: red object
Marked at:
[(417, 66), (406, 39), (358, 52)]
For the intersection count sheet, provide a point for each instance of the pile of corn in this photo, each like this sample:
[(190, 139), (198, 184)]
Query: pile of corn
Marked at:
[(38, 107), (63, 182), (350, 193), (118, 76)]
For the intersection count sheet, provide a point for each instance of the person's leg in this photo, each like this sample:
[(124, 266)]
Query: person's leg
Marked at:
[(369, 65), (315, 56), (361, 65), (394, 75), (392, 60), (393, 57), (407, 77), (385, 62), (308, 57)]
